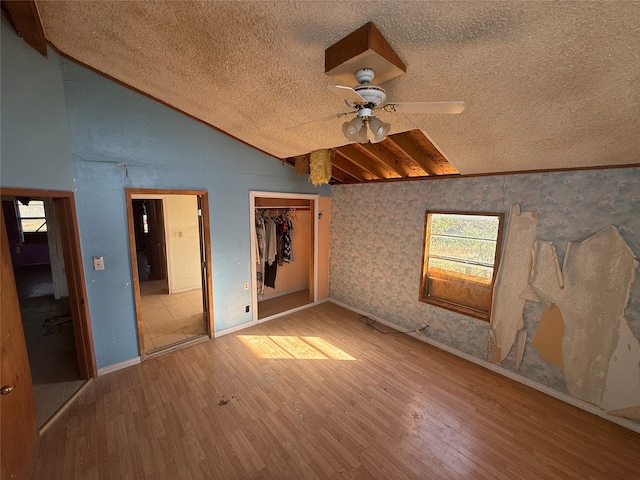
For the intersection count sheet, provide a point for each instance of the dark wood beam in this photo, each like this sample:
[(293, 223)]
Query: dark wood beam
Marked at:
[(352, 169), (23, 15), (361, 157), (381, 154), (342, 177), (416, 145), (367, 37)]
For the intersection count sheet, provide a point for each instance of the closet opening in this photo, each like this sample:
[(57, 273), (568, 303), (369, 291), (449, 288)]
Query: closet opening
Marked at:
[(284, 259), (170, 258)]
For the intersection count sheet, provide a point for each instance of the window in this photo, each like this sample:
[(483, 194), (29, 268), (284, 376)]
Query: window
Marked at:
[(32, 218), (460, 257)]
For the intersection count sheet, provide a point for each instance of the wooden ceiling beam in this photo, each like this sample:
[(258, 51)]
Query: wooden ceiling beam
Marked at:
[(352, 169), (408, 164), (362, 158), (382, 155), (416, 145), (24, 17), (342, 177)]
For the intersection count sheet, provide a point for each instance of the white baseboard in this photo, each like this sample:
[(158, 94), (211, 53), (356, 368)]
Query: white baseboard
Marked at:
[(503, 371), (282, 314), (242, 326), (237, 328), (185, 289), (118, 366)]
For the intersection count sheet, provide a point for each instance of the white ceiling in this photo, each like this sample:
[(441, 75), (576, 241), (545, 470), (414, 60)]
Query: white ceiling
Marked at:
[(547, 84)]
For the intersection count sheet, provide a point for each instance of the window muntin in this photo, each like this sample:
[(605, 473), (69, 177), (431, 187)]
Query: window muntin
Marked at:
[(32, 217), (461, 252)]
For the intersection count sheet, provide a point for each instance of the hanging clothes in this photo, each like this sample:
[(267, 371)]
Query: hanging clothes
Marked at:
[(260, 255), (280, 221), (274, 247), (271, 242), (270, 272), (287, 244), (271, 265)]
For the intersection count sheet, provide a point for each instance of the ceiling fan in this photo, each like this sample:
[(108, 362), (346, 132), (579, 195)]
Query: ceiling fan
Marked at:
[(365, 98)]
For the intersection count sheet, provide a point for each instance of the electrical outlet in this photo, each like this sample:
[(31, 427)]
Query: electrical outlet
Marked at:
[(246, 285), (246, 309), (98, 263)]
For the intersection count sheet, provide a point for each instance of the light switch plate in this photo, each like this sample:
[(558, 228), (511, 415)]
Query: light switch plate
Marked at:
[(98, 263)]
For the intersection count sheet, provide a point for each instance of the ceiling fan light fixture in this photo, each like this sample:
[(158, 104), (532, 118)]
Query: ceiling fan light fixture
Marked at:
[(353, 129), (379, 129)]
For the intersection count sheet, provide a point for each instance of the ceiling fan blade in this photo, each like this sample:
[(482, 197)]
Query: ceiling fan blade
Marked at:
[(424, 107), (347, 93), (320, 120)]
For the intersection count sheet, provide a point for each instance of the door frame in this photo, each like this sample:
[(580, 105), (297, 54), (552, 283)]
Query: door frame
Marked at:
[(65, 205), (206, 239), (314, 200)]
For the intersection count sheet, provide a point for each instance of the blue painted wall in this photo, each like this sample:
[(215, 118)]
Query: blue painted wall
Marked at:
[(123, 139), (118, 138), (36, 141)]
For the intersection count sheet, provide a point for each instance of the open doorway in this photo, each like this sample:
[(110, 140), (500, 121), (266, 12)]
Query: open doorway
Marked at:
[(284, 254), (45, 255), (170, 252)]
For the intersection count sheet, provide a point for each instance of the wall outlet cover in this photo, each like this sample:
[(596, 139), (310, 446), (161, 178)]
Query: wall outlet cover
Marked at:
[(98, 263)]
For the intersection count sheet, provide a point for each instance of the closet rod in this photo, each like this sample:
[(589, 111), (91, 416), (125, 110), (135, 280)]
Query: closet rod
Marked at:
[(284, 207)]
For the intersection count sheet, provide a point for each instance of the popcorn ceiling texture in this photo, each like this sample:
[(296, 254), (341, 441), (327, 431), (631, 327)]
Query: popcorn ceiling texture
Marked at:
[(547, 84)]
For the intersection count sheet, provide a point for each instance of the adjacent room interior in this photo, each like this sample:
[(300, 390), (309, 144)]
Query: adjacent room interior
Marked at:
[(320, 240), (168, 238)]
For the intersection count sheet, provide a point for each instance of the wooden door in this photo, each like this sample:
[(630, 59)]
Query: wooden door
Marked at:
[(203, 264), (157, 243), (18, 420)]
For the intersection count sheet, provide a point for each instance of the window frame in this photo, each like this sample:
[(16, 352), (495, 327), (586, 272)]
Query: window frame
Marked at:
[(37, 236), (449, 305)]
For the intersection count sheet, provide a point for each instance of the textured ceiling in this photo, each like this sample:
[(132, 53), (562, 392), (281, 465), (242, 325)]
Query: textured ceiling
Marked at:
[(547, 84)]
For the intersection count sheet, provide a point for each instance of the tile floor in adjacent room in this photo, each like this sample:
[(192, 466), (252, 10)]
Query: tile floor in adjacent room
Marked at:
[(169, 319)]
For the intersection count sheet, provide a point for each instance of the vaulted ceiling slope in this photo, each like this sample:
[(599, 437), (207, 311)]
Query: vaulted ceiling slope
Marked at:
[(547, 84)]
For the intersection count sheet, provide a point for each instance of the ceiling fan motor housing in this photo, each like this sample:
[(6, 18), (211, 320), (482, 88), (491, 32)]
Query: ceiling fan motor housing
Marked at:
[(371, 93), (364, 112)]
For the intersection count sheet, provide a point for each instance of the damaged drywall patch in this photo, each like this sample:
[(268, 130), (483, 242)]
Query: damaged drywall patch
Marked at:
[(591, 291), (622, 390), (521, 341), (512, 280), (549, 335)]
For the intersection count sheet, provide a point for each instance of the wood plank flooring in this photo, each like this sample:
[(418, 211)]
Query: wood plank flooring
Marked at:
[(283, 303), (318, 395)]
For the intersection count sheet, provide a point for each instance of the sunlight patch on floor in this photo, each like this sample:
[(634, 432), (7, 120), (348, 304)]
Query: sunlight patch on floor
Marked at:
[(278, 346)]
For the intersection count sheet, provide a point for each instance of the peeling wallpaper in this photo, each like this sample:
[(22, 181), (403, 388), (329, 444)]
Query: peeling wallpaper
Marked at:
[(376, 245)]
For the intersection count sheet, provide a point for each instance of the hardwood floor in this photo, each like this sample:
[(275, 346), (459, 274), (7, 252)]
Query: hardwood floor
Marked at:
[(283, 303), (316, 394)]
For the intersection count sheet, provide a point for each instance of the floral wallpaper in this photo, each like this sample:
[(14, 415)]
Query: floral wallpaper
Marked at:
[(377, 234)]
